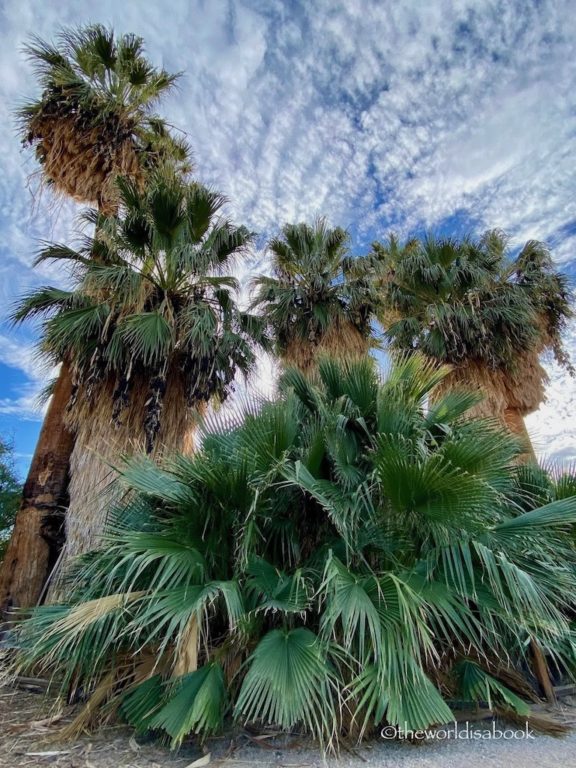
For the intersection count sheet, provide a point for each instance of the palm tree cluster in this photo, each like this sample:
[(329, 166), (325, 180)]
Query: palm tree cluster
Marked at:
[(360, 549), (342, 556)]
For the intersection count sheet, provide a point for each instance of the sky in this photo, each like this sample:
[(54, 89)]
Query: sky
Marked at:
[(450, 116)]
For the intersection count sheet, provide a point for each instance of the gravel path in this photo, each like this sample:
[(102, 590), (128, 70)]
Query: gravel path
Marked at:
[(27, 739)]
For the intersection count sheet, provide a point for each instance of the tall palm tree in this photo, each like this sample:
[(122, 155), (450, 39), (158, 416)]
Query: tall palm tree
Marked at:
[(94, 118), (468, 303), (350, 557), (318, 299), (150, 331), (92, 121)]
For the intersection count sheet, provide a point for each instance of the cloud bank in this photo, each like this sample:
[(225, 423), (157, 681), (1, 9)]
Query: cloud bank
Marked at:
[(448, 115)]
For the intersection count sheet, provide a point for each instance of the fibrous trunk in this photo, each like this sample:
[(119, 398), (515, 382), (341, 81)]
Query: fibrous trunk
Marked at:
[(514, 420), (37, 533), (82, 156), (503, 398), (342, 341), (99, 450)]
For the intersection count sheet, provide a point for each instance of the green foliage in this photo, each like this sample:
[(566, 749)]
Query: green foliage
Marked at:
[(315, 286), (10, 493), (103, 82), (290, 682), (347, 555), (196, 703), (151, 302), (469, 300), (478, 686)]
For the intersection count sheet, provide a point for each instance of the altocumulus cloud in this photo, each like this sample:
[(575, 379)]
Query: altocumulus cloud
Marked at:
[(380, 115)]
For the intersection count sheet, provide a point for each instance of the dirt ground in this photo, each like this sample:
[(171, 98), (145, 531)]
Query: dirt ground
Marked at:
[(29, 725)]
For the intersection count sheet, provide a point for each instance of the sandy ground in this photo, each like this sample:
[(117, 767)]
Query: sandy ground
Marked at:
[(29, 726)]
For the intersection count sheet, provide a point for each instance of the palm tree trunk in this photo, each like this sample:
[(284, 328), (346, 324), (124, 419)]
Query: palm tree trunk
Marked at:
[(34, 544), (343, 342), (514, 420), (496, 403), (98, 451)]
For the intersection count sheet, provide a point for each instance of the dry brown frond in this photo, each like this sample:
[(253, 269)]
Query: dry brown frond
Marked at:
[(525, 385), (90, 711), (342, 341), (81, 158), (186, 652), (541, 723), (478, 378), (82, 615), (505, 398)]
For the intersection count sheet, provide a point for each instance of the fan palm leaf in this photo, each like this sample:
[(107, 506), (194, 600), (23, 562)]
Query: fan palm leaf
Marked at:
[(318, 299), (314, 590)]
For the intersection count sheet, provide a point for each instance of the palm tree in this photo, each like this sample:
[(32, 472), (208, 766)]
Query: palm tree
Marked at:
[(348, 557), (94, 118), (469, 304), (151, 333), (318, 299), (92, 121)]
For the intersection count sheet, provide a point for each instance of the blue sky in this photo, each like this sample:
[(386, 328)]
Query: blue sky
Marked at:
[(445, 115)]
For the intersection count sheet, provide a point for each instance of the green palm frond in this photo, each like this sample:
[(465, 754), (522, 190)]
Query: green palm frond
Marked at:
[(315, 286), (469, 300), (345, 555), (98, 68), (289, 681), (143, 475), (411, 702), (275, 590), (142, 702), (477, 686), (95, 112), (561, 512), (195, 705), (43, 301)]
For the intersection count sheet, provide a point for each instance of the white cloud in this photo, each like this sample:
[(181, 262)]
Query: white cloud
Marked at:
[(379, 115), (26, 403), (553, 427)]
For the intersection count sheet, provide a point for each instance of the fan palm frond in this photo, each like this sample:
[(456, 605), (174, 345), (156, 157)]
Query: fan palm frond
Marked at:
[(320, 564)]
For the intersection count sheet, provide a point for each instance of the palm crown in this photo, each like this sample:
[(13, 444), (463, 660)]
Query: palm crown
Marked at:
[(151, 300), (94, 119), (467, 301), (318, 296)]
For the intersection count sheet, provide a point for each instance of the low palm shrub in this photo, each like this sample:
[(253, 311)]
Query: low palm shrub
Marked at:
[(343, 556)]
